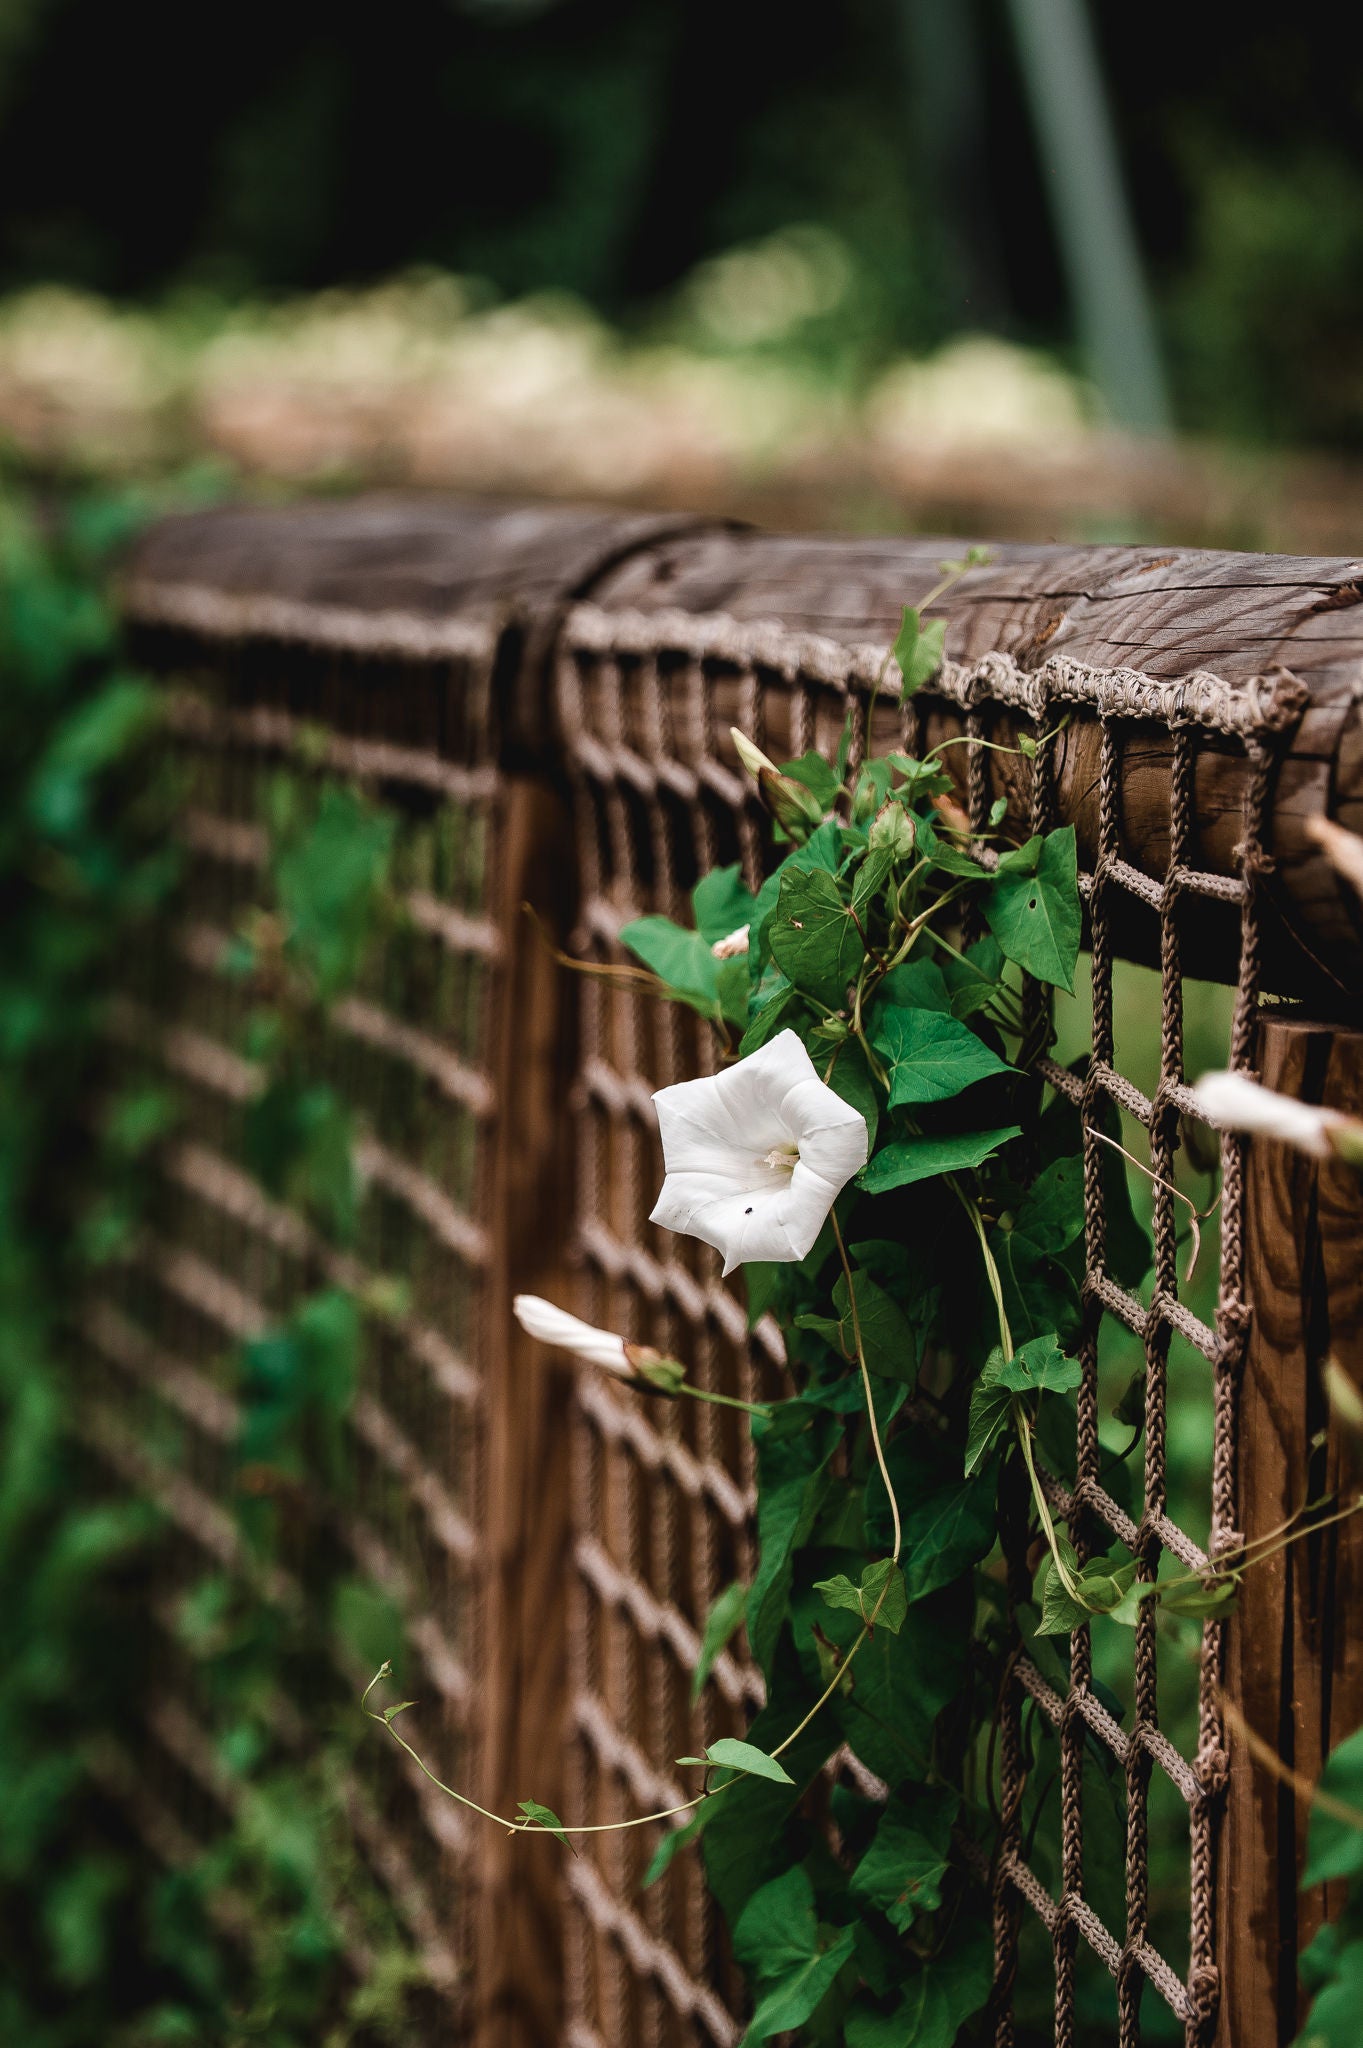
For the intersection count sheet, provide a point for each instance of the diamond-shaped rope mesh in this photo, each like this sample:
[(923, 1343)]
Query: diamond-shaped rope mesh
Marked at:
[(221, 1261), (645, 703), (1094, 1764)]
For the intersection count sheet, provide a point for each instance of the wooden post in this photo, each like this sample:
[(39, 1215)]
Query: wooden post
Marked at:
[(1294, 1675), (518, 1960)]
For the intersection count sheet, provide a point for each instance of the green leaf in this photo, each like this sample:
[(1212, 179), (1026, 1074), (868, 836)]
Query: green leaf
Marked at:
[(791, 2002), (744, 1842), (1051, 1213), (870, 878), (901, 1873), (1334, 1846), (918, 649), (899, 1682), (329, 875), (912, 1159), (793, 1481), (1060, 1611), (1040, 1366), (946, 1528), (1333, 2019), (745, 1756), (731, 991), (1034, 913), (817, 775), (947, 854), (672, 1842), (931, 1057), (881, 1593), (774, 1015), (778, 1929), (990, 1412), (891, 1343), (849, 1077), (1039, 1290), (721, 1623), (680, 958), (813, 938), (937, 2001), (822, 850), (722, 902), (544, 1817)]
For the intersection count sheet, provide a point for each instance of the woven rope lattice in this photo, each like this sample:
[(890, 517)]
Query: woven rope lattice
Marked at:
[(644, 701), (409, 1051)]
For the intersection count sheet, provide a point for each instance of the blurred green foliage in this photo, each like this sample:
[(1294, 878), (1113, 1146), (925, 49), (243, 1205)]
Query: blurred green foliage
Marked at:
[(610, 148), (268, 1927)]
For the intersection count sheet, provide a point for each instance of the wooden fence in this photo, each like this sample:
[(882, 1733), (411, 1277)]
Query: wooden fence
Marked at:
[(541, 697)]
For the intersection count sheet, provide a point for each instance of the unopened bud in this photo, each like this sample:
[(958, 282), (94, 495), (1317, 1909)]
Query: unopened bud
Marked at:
[(1343, 849), (1343, 1395), (951, 814), (664, 1374), (751, 755), (796, 809), (892, 831)]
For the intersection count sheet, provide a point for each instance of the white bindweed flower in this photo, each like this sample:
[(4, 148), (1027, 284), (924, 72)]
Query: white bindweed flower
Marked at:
[(756, 1156), (732, 947), (539, 1318), (1235, 1102), (1343, 849)]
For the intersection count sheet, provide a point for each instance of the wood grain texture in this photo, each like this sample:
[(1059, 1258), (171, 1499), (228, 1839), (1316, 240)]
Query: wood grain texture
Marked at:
[(1294, 1669), (522, 1664), (514, 569)]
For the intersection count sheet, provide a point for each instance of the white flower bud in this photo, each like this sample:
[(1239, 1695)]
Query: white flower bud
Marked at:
[(751, 755), (1343, 849), (1235, 1102), (540, 1318)]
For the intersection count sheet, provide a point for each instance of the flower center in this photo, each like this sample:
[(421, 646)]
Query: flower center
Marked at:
[(782, 1158)]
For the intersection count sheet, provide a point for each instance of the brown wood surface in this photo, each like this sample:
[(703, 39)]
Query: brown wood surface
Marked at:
[(522, 1674), (1294, 1668), (1166, 612)]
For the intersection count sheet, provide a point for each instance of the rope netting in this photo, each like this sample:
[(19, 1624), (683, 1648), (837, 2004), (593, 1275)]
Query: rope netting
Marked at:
[(636, 716), (221, 1261), (661, 1525)]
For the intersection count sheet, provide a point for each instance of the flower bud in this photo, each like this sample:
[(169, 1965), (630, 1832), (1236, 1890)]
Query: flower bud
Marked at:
[(1343, 849), (664, 1374), (951, 815), (1236, 1102), (796, 809), (751, 755), (892, 831)]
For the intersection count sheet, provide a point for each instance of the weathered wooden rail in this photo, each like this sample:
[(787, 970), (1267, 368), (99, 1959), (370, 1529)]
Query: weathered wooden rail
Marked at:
[(560, 684)]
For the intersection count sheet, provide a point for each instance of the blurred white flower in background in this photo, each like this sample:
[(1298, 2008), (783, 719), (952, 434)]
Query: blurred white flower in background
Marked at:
[(1236, 1102)]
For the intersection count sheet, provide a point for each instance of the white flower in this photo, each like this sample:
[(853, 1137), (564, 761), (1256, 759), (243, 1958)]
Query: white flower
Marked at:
[(732, 947), (1343, 849), (756, 1156), (539, 1318), (1234, 1102)]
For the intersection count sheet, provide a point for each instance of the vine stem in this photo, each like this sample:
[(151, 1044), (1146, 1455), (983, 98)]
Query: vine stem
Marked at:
[(990, 1267), (866, 1389), (1024, 1429), (725, 1400), (523, 1823)]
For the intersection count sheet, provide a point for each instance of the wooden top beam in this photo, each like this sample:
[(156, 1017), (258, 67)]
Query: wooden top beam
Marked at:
[(401, 574)]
